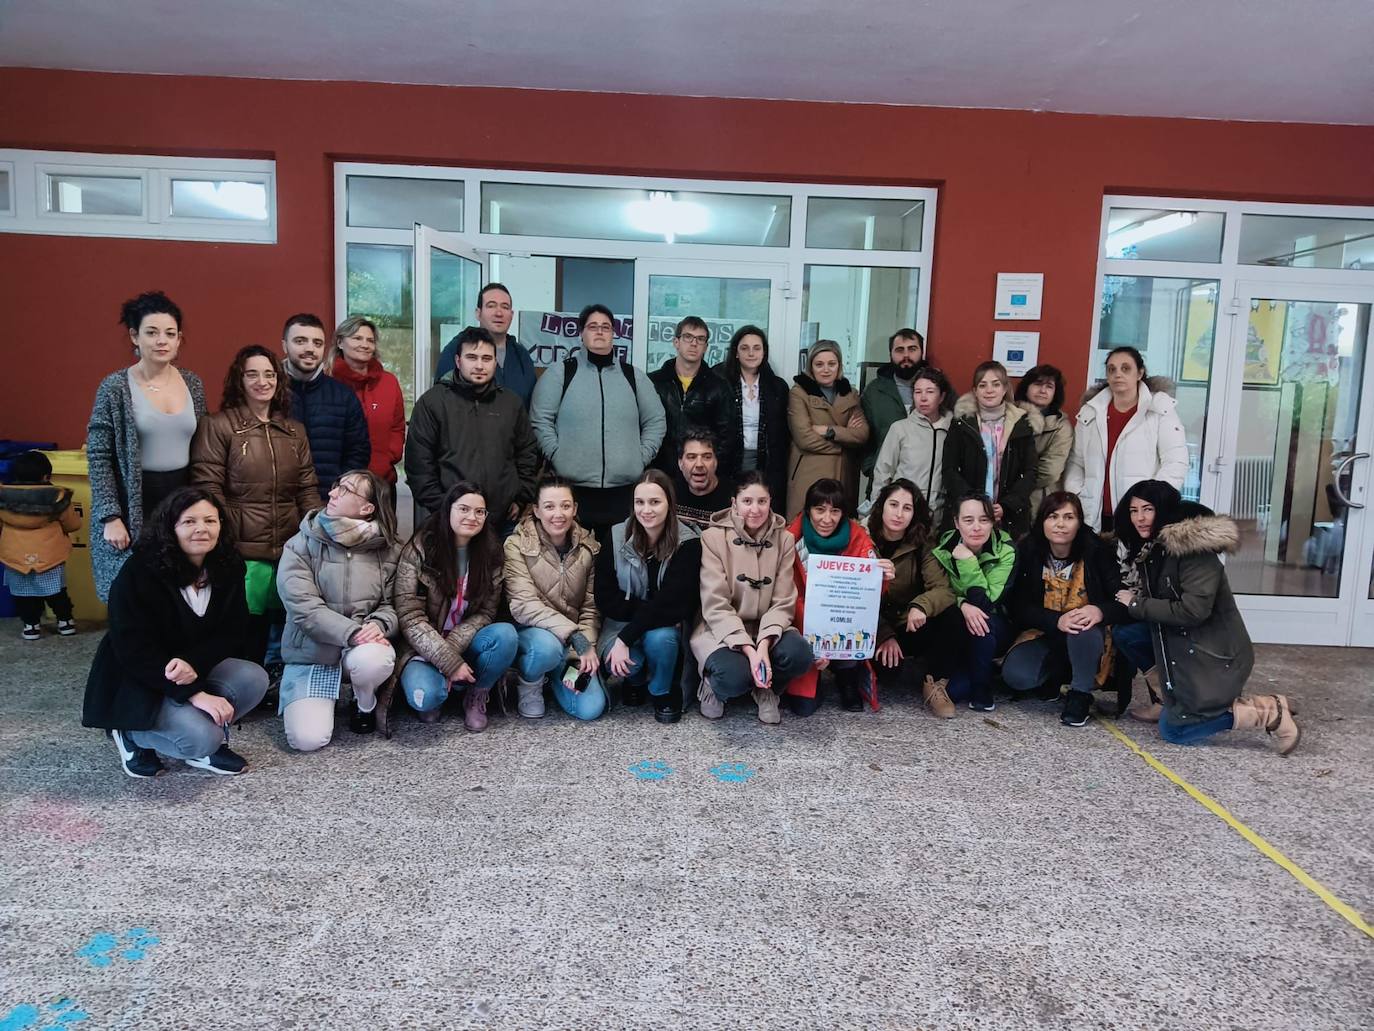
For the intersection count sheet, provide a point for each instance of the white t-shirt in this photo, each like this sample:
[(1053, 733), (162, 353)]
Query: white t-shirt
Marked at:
[(749, 411), (197, 597)]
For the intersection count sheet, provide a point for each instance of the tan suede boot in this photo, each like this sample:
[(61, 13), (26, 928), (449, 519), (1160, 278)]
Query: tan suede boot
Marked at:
[(711, 706), (1149, 712), (769, 709), (1270, 713), (936, 699)]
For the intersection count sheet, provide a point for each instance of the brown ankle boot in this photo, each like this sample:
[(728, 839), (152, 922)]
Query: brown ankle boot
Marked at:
[(475, 709), (1270, 713), (937, 700), (1149, 712)]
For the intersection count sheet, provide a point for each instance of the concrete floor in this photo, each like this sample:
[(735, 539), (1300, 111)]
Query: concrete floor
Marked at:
[(882, 870)]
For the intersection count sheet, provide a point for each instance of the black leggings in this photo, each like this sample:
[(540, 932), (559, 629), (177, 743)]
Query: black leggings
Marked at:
[(31, 609)]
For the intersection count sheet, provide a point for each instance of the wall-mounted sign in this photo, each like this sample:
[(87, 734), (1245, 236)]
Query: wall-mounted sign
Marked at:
[(1019, 352), (1019, 295)]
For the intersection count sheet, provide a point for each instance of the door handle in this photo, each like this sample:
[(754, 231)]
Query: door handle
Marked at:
[(1336, 479)]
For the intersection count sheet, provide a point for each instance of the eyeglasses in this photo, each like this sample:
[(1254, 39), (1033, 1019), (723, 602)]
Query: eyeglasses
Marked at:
[(464, 510), (599, 327), (342, 485), (254, 374), (694, 338)]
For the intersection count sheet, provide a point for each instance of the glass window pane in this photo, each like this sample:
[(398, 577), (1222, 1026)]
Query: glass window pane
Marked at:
[(380, 287), (724, 304), (615, 213), (862, 223), (859, 308), (1306, 242), (453, 285), (95, 194), (1173, 323), (548, 293), (1300, 406), (1152, 234), (5, 181), (231, 200), (377, 202)]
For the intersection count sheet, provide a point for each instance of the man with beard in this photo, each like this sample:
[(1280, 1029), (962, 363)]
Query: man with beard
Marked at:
[(697, 484), (887, 399), (333, 418), (469, 428)]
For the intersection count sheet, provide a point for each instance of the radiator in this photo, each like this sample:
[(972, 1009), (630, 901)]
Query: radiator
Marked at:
[(1250, 491)]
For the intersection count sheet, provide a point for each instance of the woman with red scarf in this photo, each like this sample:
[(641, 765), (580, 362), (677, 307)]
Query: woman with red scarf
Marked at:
[(378, 391)]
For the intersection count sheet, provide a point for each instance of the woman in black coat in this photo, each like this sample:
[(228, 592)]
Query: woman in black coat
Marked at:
[(757, 436), (168, 676), (1061, 600)]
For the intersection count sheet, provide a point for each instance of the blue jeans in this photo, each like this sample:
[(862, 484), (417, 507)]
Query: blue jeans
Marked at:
[(587, 704), (1133, 640), (1192, 733), (181, 731), (540, 653), (1044, 661), (971, 657), (489, 655), (658, 650)]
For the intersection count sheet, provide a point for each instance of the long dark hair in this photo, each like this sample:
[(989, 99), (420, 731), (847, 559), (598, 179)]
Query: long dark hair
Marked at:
[(730, 367), (435, 540), (1167, 502), (667, 540), (158, 545), (1042, 373), (919, 531), (1035, 541), (234, 395)]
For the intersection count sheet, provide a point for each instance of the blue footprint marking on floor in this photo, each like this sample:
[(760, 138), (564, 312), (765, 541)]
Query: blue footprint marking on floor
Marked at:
[(53, 1017), (733, 773), (104, 947), (650, 769)]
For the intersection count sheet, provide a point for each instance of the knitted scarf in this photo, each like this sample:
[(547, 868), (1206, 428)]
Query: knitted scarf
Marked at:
[(346, 531), (818, 545)]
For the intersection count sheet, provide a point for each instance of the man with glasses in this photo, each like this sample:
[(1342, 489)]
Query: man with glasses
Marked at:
[(470, 428), (598, 423), (692, 393), (514, 366)]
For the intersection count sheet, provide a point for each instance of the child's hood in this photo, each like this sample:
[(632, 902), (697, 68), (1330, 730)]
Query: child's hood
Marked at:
[(28, 506)]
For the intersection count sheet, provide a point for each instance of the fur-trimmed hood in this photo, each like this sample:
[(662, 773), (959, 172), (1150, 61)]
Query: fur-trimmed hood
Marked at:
[(1201, 535), (967, 408), (1159, 389), (842, 385)]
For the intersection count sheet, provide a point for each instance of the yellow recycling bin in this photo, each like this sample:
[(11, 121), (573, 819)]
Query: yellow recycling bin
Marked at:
[(69, 469)]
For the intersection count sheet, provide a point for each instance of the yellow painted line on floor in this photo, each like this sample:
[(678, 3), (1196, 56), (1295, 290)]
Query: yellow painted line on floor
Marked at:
[(1269, 851)]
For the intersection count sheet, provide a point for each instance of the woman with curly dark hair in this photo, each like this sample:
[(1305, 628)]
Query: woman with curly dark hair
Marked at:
[(169, 676), (256, 461)]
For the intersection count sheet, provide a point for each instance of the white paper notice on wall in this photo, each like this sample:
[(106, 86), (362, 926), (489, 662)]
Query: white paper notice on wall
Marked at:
[(1019, 352), (1019, 295)]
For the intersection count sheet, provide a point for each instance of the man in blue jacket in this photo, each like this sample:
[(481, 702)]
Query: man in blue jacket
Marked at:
[(514, 366), (333, 418)]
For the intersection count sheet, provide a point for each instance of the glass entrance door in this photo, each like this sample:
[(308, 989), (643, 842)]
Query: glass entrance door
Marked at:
[(1294, 472), (726, 295), (449, 273)]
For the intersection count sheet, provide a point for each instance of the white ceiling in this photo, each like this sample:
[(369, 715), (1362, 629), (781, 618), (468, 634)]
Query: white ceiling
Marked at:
[(1280, 60)]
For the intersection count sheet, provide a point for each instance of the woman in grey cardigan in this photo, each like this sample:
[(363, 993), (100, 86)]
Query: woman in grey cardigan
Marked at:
[(138, 443), (336, 579)]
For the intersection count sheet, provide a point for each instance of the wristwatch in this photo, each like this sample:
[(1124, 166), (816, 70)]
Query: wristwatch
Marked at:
[(830, 433)]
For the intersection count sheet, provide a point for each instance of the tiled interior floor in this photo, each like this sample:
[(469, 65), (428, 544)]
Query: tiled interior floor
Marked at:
[(881, 870)]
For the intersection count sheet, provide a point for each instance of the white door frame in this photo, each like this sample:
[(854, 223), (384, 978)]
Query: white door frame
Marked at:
[(450, 243)]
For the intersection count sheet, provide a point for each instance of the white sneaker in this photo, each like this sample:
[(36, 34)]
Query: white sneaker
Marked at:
[(31, 632), (66, 627), (530, 702)]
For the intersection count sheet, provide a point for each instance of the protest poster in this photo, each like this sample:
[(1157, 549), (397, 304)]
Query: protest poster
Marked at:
[(551, 336), (842, 599)]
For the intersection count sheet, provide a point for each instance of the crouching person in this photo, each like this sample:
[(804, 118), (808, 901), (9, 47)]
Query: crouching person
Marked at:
[(336, 579), (169, 675), (744, 640)]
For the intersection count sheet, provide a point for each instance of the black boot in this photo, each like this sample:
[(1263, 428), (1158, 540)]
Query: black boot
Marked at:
[(849, 681), (632, 694), (1077, 707), (668, 707)]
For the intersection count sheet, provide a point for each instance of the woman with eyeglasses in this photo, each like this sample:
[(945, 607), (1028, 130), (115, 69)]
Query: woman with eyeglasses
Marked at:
[(336, 579), (744, 641)]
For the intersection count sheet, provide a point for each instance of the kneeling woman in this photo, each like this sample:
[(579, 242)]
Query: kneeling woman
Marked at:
[(336, 579), (550, 567), (169, 676), (1062, 600), (822, 528), (648, 582), (916, 605), (978, 558), (448, 584), (744, 639), (1198, 638)]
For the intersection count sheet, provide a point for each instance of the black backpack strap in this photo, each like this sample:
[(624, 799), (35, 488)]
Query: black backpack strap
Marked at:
[(569, 371), (629, 371)]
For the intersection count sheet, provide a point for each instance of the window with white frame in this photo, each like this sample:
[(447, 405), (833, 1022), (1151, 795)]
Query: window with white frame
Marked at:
[(156, 197), (804, 260)]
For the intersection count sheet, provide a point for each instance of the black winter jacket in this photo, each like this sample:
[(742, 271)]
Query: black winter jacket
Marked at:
[(705, 404), (457, 433), (1025, 599), (775, 439), (334, 425), (150, 625), (966, 464)]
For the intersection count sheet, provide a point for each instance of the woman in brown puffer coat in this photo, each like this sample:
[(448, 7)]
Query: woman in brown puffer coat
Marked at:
[(256, 461)]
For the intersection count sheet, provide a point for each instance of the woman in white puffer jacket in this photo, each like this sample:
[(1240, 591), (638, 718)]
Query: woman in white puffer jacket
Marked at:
[(1128, 430)]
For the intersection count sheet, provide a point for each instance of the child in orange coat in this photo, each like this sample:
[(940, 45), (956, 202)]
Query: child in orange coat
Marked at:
[(35, 520)]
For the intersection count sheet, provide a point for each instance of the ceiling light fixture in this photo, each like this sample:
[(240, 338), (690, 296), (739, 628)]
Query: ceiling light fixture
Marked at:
[(663, 216), (1120, 240)]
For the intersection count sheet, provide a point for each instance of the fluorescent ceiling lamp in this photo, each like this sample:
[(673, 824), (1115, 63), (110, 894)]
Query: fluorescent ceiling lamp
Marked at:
[(663, 216), (1119, 241)]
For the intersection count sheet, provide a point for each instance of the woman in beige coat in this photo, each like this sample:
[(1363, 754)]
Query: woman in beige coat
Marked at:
[(744, 639), (828, 427), (1043, 388)]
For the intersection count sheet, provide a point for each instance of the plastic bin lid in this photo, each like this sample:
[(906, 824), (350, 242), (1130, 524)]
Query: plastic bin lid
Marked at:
[(68, 463)]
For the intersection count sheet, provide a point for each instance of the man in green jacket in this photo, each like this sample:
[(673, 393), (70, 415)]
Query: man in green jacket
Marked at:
[(887, 400)]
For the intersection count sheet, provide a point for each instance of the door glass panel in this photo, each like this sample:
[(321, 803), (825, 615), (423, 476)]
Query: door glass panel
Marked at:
[(1291, 242), (380, 287), (1300, 405), (859, 308), (1154, 234), (1173, 324), (454, 282), (723, 303)]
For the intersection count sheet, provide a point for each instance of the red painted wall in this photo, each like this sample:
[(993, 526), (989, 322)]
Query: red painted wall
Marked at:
[(1020, 191)]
